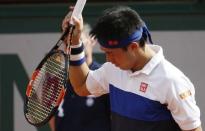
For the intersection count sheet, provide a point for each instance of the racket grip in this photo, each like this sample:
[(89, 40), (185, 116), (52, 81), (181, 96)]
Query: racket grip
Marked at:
[(67, 31), (78, 9), (62, 37)]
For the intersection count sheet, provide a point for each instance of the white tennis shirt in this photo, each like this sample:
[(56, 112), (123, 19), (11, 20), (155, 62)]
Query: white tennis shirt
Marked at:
[(158, 82)]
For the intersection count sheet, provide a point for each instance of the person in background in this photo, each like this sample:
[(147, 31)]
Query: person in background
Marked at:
[(88, 113), (147, 92)]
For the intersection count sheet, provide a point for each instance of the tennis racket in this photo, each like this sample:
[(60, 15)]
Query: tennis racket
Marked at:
[(47, 86)]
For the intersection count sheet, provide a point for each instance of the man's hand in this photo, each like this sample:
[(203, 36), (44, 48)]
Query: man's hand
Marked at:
[(78, 23)]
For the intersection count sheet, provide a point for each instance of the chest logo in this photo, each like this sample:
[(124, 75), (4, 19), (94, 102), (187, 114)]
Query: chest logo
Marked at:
[(143, 87)]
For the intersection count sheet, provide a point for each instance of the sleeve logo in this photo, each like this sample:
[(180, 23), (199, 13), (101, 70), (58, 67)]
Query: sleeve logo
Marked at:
[(185, 94)]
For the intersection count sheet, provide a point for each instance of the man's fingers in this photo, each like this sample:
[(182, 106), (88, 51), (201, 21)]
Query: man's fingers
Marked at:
[(65, 24), (78, 22)]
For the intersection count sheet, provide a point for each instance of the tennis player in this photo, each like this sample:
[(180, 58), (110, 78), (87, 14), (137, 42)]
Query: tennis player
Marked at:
[(147, 92)]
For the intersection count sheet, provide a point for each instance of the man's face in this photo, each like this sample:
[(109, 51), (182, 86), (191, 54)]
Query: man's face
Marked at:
[(120, 57)]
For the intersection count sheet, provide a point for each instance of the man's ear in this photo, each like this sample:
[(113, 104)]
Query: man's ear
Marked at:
[(134, 45)]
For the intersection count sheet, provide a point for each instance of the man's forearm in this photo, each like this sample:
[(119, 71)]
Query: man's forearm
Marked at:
[(77, 76)]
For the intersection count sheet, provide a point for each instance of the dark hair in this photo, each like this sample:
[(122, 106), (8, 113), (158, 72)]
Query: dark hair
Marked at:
[(117, 23)]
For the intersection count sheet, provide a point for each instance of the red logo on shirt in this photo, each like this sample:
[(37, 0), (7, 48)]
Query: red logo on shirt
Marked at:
[(143, 87)]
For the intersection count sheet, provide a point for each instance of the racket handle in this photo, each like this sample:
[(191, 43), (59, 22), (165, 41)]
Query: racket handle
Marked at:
[(64, 34), (78, 9), (76, 12), (69, 30)]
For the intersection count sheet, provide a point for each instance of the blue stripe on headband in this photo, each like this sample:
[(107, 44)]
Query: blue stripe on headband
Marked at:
[(136, 36)]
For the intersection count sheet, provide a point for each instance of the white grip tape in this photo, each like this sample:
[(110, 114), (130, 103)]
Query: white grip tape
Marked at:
[(78, 9)]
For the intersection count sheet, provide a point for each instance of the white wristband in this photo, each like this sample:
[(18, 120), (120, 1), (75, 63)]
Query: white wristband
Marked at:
[(77, 56)]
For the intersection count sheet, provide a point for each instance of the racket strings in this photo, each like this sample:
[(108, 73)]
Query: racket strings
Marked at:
[(37, 112), (46, 88)]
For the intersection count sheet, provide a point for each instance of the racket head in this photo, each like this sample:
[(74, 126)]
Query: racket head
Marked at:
[(46, 88)]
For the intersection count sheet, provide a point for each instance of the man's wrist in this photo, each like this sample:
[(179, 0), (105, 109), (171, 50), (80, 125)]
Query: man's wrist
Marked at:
[(77, 54), (80, 43)]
